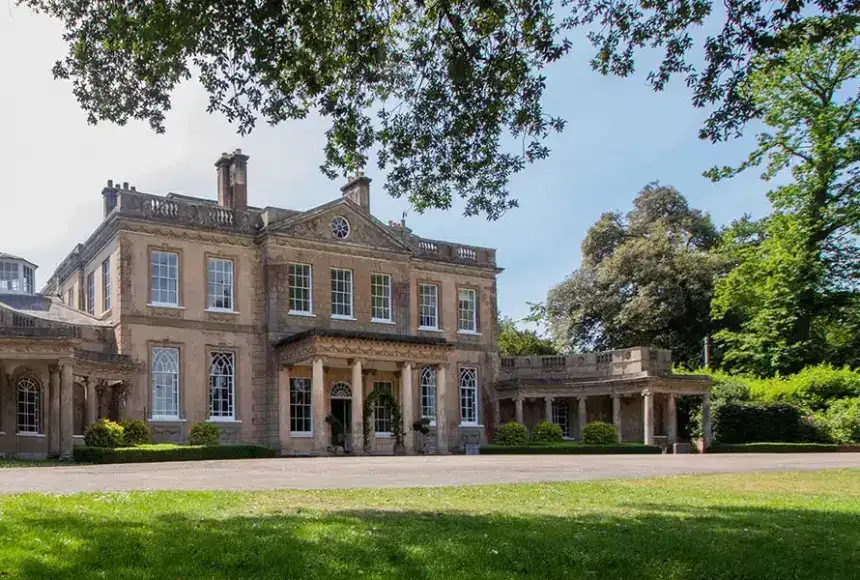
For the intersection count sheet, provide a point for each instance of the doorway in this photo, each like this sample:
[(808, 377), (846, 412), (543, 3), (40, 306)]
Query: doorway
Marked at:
[(341, 413)]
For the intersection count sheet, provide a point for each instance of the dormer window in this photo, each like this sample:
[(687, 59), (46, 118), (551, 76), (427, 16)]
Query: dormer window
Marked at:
[(17, 276)]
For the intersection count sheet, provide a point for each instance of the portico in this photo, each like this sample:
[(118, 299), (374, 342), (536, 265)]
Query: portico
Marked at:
[(320, 370), (632, 389)]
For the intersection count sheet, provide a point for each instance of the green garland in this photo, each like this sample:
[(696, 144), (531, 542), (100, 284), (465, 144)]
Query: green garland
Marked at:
[(386, 398)]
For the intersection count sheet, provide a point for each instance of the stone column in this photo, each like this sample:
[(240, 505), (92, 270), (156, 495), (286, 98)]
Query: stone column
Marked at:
[(284, 410), (54, 412), (406, 407), (706, 419), (318, 407), (357, 426), (518, 410), (92, 404), (671, 419), (441, 419), (648, 416), (547, 408), (616, 416), (497, 413), (67, 416), (581, 416)]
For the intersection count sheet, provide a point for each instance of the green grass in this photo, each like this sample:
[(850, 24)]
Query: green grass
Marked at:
[(717, 527), (568, 447)]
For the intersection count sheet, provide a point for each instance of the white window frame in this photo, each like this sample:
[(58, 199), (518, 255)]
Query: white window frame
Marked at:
[(468, 381), (561, 417), (294, 277), (106, 301), (12, 285), (306, 394), (227, 281), (427, 381), (432, 302), (165, 373), (29, 278), (91, 293), (377, 408), (381, 282), (473, 320), (157, 292), (217, 391), (32, 390), (348, 286)]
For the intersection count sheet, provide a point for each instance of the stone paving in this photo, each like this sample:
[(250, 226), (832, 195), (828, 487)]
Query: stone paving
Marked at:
[(351, 472)]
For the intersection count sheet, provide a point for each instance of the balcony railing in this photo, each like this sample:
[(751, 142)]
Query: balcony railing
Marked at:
[(623, 362), (207, 215)]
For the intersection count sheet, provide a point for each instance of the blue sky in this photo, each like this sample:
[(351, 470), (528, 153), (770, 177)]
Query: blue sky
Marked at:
[(620, 136)]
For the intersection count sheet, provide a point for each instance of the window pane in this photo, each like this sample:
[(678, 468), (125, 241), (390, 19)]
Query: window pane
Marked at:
[(165, 278), (300, 288), (220, 284), (341, 292), (467, 311), (221, 385), (380, 296), (300, 405), (382, 413), (106, 285), (428, 312), (29, 406), (91, 293), (428, 393), (560, 416), (165, 382)]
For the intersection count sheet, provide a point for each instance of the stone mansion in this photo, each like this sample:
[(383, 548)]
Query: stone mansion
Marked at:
[(278, 325)]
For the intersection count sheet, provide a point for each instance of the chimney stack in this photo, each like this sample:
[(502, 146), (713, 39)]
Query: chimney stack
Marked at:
[(357, 190), (232, 171)]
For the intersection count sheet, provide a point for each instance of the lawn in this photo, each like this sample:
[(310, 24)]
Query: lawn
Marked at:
[(773, 525)]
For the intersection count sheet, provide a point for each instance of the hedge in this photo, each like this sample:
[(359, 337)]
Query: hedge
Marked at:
[(168, 452), (781, 448), (760, 422), (569, 448)]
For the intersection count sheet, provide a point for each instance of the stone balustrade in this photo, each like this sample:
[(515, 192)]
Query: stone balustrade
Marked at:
[(614, 363)]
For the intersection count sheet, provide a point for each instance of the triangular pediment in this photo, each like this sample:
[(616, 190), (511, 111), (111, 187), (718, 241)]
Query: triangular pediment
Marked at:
[(317, 224)]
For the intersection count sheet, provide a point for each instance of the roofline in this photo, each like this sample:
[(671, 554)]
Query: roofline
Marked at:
[(361, 335)]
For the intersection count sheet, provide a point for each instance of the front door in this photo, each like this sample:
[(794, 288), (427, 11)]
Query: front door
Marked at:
[(341, 410)]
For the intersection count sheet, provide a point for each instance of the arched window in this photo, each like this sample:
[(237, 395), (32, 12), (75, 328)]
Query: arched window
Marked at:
[(222, 380), (560, 416), (428, 393), (165, 383), (29, 405), (341, 390), (469, 396)]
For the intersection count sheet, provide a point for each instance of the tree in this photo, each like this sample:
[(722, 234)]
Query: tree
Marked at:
[(792, 297), (513, 341), (448, 93), (646, 279)]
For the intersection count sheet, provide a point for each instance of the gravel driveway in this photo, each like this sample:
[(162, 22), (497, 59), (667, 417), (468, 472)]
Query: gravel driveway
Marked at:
[(346, 472)]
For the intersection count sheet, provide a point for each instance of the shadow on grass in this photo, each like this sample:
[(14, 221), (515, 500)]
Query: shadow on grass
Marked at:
[(665, 542)]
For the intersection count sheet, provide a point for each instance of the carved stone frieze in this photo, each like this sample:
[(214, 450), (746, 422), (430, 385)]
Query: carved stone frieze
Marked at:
[(366, 349)]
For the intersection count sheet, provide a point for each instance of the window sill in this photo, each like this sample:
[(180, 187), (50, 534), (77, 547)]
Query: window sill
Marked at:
[(166, 420), (160, 305), (471, 425), (302, 313), (383, 434), (223, 420), (77, 436), (301, 434), (29, 434), (381, 321), (430, 329), (222, 311), (2, 433), (343, 317), (106, 312), (469, 332)]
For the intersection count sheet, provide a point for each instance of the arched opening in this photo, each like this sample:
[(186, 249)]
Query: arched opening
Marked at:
[(340, 418), (29, 405)]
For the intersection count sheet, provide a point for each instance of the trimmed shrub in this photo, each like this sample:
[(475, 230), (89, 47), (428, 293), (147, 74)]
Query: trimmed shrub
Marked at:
[(204, 433), (842, 420), (762, 422), (781, 448), (135, 432), (570, 449), (104, 433), (512, 433), (599, 433), (814, 387), (547, 432), (168, 452)]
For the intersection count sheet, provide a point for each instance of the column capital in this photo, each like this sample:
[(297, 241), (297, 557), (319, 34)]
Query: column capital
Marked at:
[(550, 399), (615, 396), (353, 361), (90, 381), (581, 398), (647, 392), (406, 363)]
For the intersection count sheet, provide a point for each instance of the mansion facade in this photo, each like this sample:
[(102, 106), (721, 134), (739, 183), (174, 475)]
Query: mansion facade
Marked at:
[(286, 328)]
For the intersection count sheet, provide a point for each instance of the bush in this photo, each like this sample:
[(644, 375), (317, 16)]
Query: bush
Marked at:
[(570, 448), (168, 452), (204, 433), (512, 433), (135, 433), (842, 420), (814, 387), (547, 432), (753, 422), (778, 448), (599, 433), (104, 433)]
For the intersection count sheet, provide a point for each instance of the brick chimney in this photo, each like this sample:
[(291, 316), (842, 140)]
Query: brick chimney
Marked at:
[(357, 190), (232, 171)]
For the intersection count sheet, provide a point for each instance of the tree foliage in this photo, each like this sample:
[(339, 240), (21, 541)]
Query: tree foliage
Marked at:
[(791, 298), (447, 93), (514, 341), (646, 279)]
